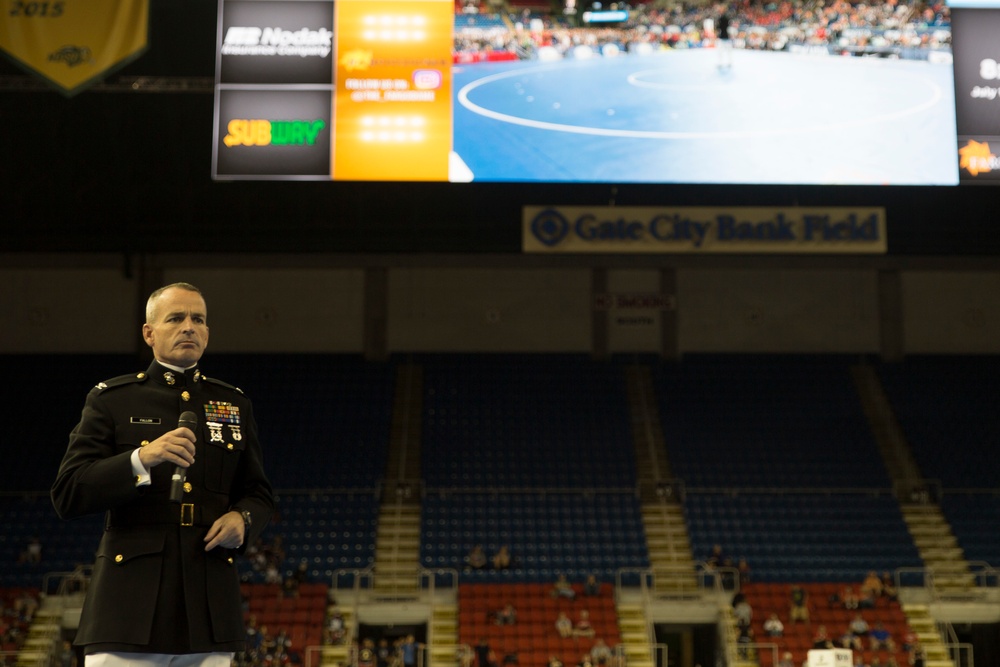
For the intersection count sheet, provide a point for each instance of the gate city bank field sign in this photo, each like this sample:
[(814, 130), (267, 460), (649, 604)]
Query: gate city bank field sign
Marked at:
[(612, 229)]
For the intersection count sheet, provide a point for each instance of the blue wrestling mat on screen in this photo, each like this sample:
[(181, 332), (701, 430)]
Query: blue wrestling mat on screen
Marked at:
[(676, 116)]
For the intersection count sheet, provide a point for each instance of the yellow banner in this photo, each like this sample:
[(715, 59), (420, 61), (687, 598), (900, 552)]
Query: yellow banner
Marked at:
[(73, 44), (392, 113), (764, 230)]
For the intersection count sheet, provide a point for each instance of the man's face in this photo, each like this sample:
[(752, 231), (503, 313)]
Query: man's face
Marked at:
[(178, 330)]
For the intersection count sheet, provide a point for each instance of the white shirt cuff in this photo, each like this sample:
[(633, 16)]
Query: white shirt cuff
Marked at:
[(142, 477)]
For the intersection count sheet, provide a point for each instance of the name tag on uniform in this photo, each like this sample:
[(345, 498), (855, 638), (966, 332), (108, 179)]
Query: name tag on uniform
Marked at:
[(144, 420)]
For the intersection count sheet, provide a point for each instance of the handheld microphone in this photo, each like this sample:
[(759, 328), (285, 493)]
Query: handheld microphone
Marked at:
[(190, 420)]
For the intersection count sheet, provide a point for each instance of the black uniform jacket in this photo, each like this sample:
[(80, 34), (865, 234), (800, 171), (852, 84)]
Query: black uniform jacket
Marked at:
[(154, 588)]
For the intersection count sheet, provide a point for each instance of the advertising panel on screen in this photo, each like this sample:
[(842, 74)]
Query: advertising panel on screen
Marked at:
[(433, 90), (977, 91)]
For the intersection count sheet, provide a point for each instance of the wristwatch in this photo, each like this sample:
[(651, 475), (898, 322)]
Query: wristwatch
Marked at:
[(247, 519)]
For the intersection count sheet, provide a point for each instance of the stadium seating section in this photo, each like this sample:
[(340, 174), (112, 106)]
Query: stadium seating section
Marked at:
[(775, 456)]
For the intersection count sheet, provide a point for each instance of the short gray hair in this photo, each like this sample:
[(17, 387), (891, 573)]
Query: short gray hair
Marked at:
[(151, 301)]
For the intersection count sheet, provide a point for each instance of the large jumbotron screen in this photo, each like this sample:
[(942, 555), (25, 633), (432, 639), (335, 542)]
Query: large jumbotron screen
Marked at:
[(813, 93)]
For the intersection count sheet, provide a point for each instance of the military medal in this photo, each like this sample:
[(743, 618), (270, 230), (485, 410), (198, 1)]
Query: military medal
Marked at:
[(214, 431), (237, 436)]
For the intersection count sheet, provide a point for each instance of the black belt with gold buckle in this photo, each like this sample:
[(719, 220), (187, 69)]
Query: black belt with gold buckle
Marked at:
[(185, 514)]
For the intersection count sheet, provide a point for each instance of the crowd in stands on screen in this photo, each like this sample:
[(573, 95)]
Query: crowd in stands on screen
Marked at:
[(843, 26)]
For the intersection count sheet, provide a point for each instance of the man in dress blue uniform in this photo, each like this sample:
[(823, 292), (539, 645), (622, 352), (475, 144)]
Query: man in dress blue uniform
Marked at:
[(165, 587)]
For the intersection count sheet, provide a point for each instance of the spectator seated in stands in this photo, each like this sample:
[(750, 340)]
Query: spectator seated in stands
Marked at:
[(564, 626), (871, 590), (334, 630), (744, 569), (501, 559), (821, 639), (600, 652), (466, 656), (591, 587), (889, 591), (562, 588), (774, 627), (718, 558), (505, 616), (476, 560), (32, 552), (858, 627), (850, 599), (849, 641), (799, 607), (743, 612), (880, 639), (583, 627)]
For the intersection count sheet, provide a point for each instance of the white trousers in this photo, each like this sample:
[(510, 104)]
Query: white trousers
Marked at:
[(158, 660)]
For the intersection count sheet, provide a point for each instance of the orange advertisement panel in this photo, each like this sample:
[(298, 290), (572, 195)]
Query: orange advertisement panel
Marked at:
[(392, 106)]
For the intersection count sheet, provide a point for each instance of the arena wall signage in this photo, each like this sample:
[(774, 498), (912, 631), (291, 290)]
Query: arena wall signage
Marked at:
[(73, 44), (758, 230)]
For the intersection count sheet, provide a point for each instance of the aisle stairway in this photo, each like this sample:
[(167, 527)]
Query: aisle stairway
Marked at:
[(939, 549), (667, 539), (43, 640), (919, 618), (635, 634), (443, 636), (397, 548), (669, 549)]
